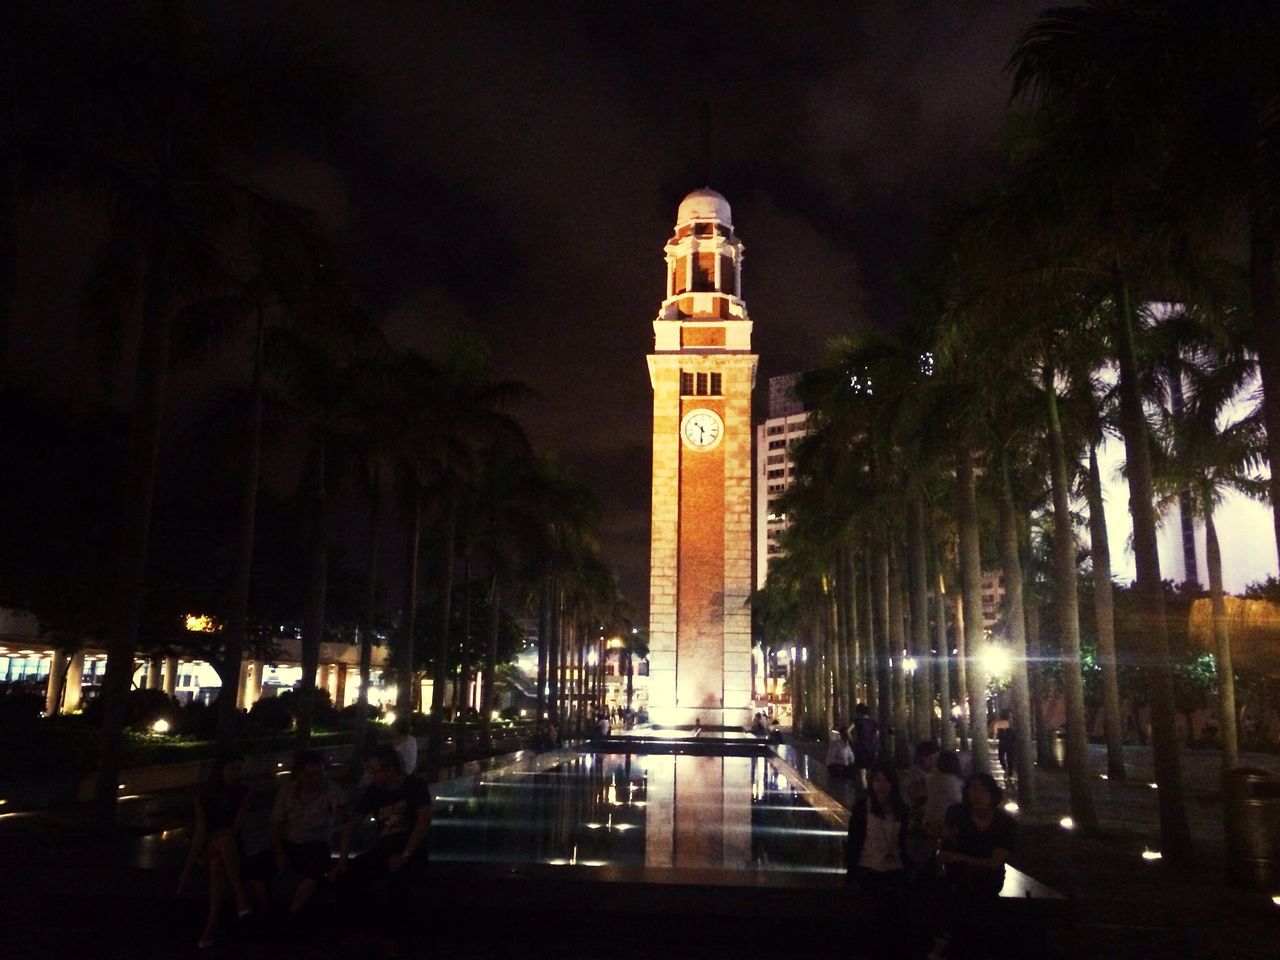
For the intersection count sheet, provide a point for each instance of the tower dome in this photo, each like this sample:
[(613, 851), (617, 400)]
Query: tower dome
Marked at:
[(704, 204)]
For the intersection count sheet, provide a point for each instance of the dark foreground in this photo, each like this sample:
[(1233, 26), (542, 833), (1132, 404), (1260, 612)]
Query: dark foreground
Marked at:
[(67, 893)]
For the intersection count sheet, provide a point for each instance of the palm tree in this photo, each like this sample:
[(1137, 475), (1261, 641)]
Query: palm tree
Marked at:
[(275, 297), (319, 379), (169, 113), (1200, 459), (463, 417), (1158, 105)]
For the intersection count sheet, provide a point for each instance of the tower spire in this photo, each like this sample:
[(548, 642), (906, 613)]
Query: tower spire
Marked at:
[(705, 130)]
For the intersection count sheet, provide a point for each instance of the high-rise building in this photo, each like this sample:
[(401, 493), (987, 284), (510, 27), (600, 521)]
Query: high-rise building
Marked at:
[(702, 370), (786, 421)]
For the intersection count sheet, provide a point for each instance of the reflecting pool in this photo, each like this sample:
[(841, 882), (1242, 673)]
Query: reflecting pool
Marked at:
[(679, 808)]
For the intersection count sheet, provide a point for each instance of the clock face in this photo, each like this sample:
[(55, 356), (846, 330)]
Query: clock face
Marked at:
[(701, 429)]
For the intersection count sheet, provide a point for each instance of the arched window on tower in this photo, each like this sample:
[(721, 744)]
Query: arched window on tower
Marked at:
[(704, 273), (728, 276), (680, 282)]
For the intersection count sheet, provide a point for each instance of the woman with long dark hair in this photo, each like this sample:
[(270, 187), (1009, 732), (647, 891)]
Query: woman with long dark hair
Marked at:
[(876, 856), (221, 809)]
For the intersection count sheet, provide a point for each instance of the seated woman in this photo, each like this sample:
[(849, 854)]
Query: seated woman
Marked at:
[(221, 809), (302, 820), (977, 840)]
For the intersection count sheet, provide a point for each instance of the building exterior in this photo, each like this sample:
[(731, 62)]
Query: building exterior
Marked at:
[(786, 421), (26, 657), (702, 371)]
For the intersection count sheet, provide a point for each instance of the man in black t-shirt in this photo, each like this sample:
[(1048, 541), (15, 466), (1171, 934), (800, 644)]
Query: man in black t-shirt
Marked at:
[(401, 807)]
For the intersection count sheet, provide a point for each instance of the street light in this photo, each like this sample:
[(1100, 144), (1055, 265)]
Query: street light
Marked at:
[(995, 660)]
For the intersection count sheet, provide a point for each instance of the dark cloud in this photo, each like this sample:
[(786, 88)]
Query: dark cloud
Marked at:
[(517, 172)]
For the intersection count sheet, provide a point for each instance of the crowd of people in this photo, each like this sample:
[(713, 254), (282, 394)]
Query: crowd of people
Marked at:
[(283, 880), (932, 843), (932, 847)]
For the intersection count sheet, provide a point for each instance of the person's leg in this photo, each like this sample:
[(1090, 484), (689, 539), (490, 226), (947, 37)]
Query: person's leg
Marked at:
[(259, 871), (217, 893), (309, 861), (229, 854)]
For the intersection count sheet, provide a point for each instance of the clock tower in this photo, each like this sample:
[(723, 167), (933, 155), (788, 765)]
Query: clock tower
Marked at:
[(702, 370)]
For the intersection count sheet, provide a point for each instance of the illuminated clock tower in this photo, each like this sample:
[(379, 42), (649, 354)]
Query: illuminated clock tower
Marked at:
[(702, 370)]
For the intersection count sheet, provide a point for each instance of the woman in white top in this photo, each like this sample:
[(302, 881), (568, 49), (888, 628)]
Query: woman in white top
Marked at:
[(839, 754), (876, 857), (406, 744), (944, 785)]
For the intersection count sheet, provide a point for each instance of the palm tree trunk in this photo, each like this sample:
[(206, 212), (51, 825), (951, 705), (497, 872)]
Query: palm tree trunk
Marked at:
[(138, 493), (853, 640), (1046, 757), (898, 677), (1175, 831), (884, 683), (558, 660), (490, 666), (835, 623), (869, 609), (942, 661), (1222, 641), (1011, 561), (435, 738), (409, 628), (1079, 779), (544, 645), (369, 626), (922, 710), (962, 672), (631, 673), (580, 680), (1264, 295), (317, 587), (971, 580), (462, 697), (242, 571), (1104, 612)]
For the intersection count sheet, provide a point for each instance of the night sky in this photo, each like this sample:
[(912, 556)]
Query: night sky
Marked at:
[(518, 167)]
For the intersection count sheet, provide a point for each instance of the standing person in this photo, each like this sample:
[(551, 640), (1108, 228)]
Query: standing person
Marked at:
[(977, 840), (876, 857), (915, 791), (222, 806), (1003, 729), (866, 742), (839, 754), (380, 879), (406, 744), (302, 821)]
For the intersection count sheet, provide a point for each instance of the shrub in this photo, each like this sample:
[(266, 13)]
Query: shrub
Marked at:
[(273, 713)]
